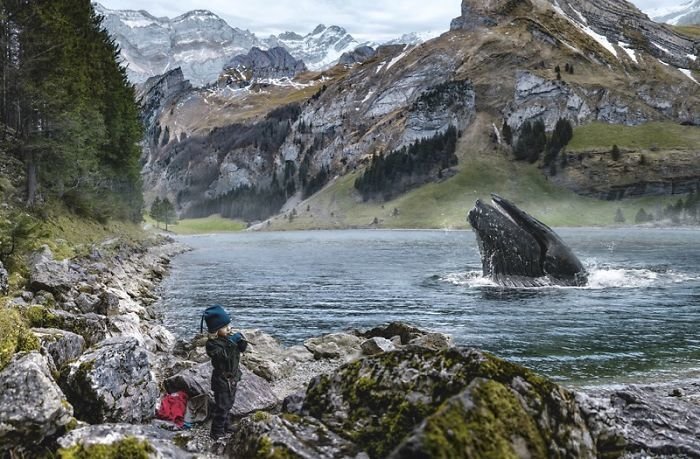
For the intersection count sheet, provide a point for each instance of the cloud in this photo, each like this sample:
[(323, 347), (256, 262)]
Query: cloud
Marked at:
[(364, 19)]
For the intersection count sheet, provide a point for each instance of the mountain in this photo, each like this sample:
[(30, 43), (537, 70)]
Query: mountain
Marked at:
[(687, 13), (273, 64), (430, 110), (318, 49), (199, 42)]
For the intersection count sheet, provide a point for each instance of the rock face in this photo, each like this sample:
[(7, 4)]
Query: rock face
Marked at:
[(113, 382), (417, 402), (275, 63), (59, 346), (357, 56), (660, 420), (32, 407), (198, 41)]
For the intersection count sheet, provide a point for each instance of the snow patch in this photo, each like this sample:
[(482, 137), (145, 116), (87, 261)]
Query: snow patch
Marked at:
[(583, 25), (692, 57), (661, 48), (138, 23), (630, 52), (689, 74), (407, 49), (369, 94)]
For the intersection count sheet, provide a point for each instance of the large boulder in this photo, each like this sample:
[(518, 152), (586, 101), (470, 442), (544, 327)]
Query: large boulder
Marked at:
[(269, 359), (52, 276), (59, 346), (264, 435), (92, 327), (112, 383), (415, 401), (405, 332), (253, 393), (377, 345), (660, 420), (120, 440), (335, 345), (32, 406)]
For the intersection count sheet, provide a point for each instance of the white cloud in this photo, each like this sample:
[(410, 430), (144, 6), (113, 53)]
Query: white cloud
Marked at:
[(364, 19)]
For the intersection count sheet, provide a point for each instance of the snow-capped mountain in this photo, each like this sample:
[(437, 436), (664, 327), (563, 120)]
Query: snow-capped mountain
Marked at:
[(686, 13), (199, 42), (415, 38), (319, 49)]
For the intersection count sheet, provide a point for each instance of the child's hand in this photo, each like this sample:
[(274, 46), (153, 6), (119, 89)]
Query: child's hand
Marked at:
[(235, 338)]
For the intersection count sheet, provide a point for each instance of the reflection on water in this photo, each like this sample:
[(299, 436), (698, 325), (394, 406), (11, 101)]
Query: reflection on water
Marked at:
[(638, 317)]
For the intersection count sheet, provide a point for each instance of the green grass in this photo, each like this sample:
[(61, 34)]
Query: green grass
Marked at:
[(211, 224), (445, 205), (689, 30), (648, 136)]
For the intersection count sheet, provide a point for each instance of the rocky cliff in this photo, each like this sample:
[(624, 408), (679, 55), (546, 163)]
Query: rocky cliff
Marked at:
[(499, 62), (273, 64)]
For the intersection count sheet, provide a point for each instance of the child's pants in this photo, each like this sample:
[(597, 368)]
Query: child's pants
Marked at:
[(223, 402)]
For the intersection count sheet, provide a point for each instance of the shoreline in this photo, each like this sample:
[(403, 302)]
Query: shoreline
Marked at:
[(156, 357)]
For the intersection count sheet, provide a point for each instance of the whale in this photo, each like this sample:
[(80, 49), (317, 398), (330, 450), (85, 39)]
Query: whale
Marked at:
[(517, 250)]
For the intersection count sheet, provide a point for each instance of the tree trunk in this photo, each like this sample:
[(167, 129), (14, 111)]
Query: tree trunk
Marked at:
[(31, 178)]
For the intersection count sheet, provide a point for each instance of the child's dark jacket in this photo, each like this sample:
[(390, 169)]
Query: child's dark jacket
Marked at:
[(225, 357)]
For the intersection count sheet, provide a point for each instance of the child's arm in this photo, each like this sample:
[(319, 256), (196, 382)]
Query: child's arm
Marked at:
[(238, 340)]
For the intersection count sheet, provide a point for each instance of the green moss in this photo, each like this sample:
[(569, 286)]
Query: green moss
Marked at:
[(291, 417), (40, 317), (15, 335), (496, 426), (130, 447), (181, 441), (261, 416), (266, 449), (72, 424)]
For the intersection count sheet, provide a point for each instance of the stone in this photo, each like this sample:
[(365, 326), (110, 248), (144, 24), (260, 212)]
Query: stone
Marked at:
[(87, 302), (653, 420), (59, 346), (267, 435), (109, 304), (32, 406), (92, 327), (388, 403), (335, 345), (253, 392), (405, 332), (113, 382), (435, 341), (377, 345), (267, 358), (163, 338), (161, 441), (49, 275)]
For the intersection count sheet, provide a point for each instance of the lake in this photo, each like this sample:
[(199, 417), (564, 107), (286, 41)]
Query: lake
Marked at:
[(637, 320)]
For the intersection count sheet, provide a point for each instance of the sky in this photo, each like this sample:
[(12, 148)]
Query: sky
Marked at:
[(365, 19)]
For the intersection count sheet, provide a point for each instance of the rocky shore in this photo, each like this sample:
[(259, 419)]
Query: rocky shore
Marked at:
[(95, 363)]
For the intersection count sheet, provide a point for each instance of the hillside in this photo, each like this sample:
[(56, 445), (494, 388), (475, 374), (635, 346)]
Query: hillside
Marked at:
[(207, 150)]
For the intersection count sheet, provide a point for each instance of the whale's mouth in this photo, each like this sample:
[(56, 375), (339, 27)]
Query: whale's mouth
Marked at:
[(515, 245)]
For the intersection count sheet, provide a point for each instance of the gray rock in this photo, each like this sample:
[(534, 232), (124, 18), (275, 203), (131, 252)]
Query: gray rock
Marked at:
[(267, 358), (49, 275), (253, 392), (60, 346), (161, 440), (383, 403), (434, 341), (661, 420), (32, 406), (114, 382), (287, 436), (335, 345), (87, 302), (109, 304), (377, 345), (92, 327)]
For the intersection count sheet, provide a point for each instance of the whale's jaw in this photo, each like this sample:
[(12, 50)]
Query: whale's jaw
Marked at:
[(517, 250)]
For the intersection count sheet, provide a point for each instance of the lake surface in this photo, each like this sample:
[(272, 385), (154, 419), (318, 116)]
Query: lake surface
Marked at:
[(637, 320)]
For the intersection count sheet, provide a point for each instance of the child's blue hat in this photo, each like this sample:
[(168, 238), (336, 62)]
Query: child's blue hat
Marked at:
[(215, 317)]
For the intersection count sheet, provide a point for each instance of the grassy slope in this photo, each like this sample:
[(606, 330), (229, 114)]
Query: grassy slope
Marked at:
[(445, 204), (211, 224)]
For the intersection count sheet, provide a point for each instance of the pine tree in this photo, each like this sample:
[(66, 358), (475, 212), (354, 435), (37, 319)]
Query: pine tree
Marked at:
[(615, 153), (619, 217), (507, 133)]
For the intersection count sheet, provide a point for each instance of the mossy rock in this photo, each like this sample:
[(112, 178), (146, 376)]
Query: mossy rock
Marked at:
[(131, 447), (15, 335), (379, 401)]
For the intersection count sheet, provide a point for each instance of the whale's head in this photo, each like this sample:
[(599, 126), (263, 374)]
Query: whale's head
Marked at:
[(516, 247)]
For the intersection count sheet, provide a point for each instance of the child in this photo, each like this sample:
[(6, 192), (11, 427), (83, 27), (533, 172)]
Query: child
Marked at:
[(224, 349)]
